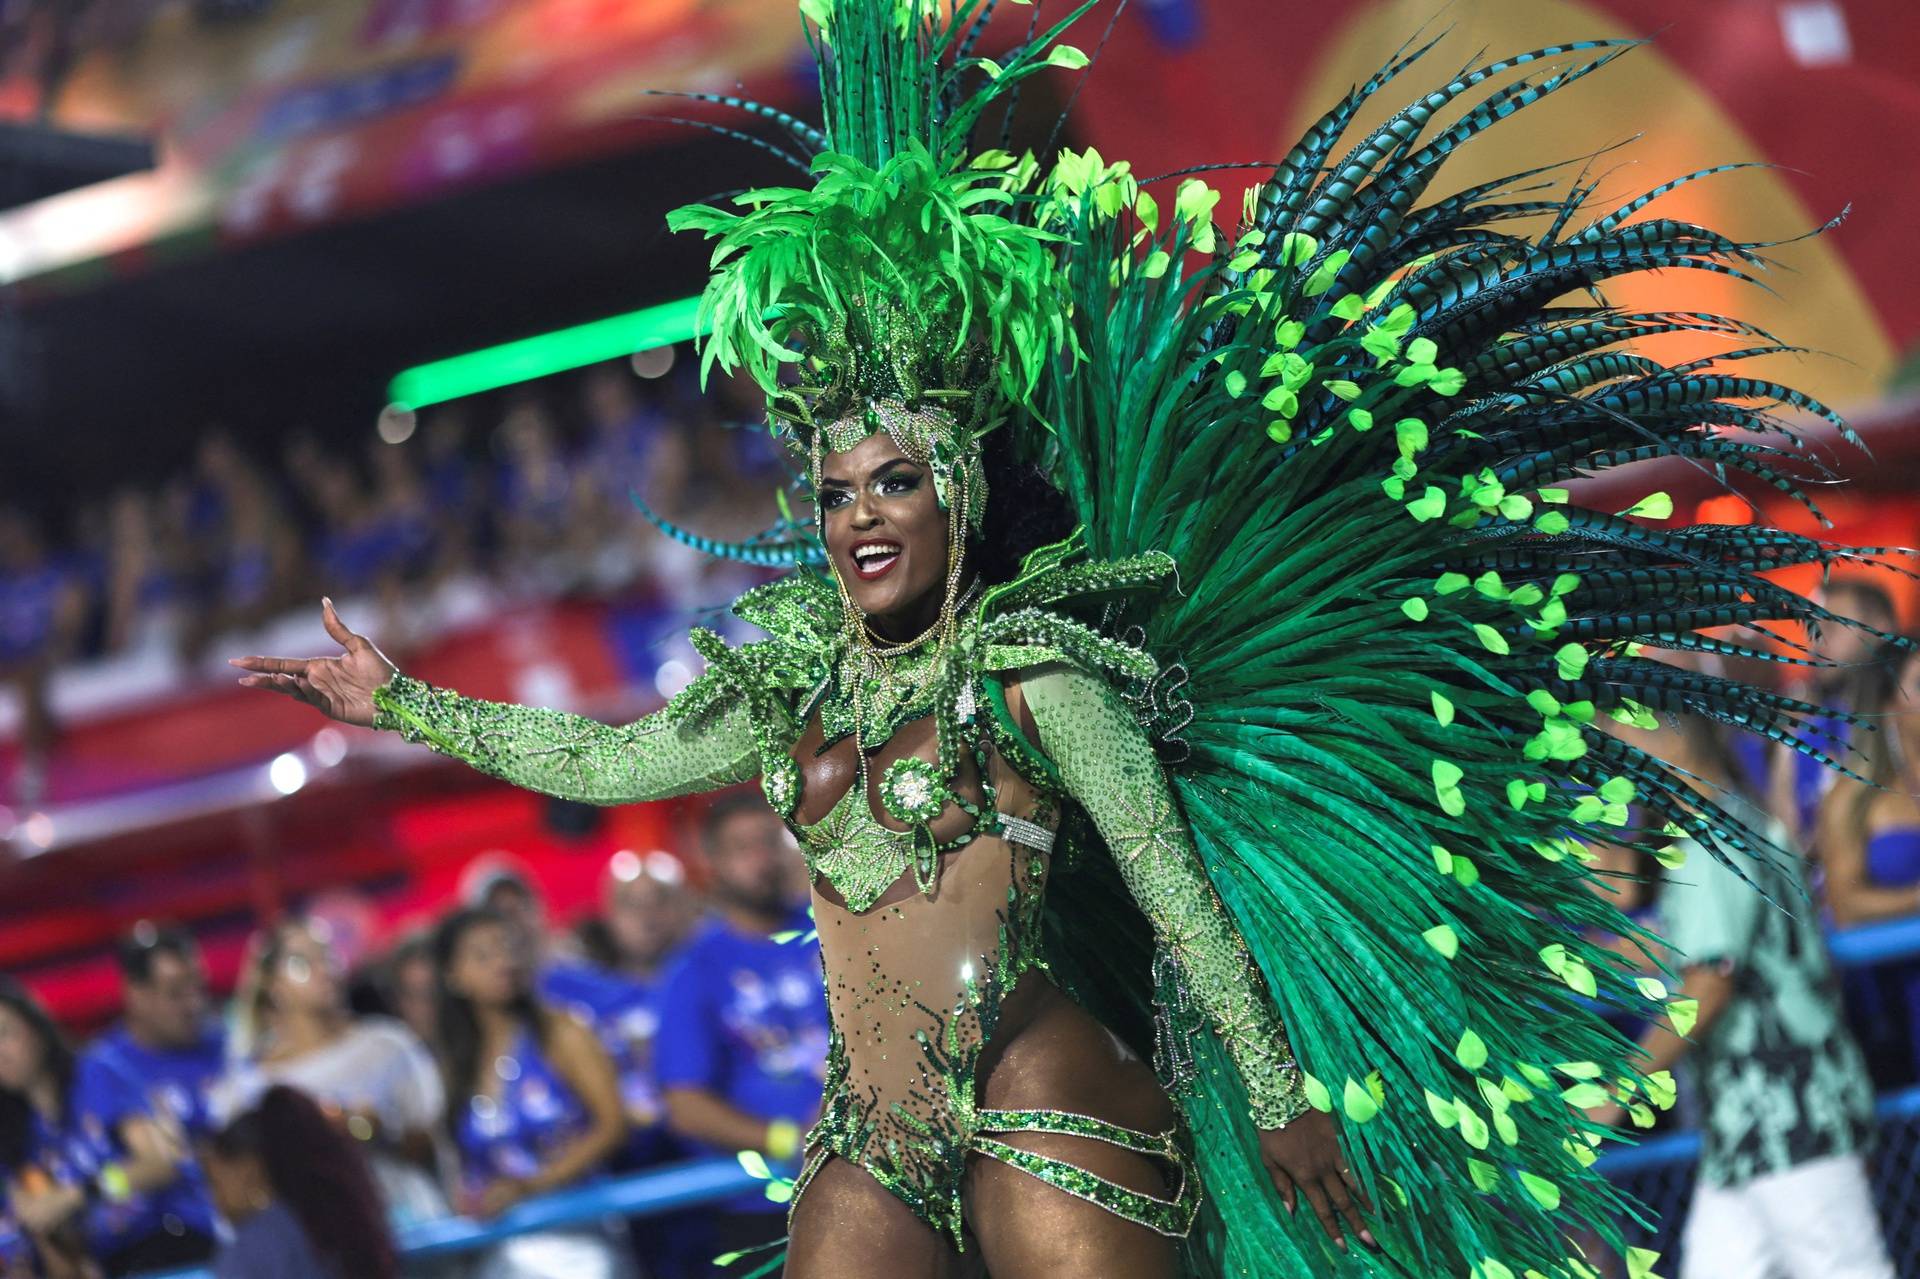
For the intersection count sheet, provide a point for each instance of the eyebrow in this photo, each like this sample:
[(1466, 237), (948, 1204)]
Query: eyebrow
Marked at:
[(875, 473)]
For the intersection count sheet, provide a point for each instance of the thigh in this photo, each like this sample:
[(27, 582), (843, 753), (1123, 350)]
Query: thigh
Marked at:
[(1029, 1229), (1726, 1236), (846, 1225), (1823, 1221)]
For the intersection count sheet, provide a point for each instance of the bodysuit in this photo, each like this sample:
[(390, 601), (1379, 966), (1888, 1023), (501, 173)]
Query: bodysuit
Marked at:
[(939, 889)]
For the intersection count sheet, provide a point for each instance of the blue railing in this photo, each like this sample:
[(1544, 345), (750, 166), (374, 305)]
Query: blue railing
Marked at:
[(639, 1194), (704, 1181)]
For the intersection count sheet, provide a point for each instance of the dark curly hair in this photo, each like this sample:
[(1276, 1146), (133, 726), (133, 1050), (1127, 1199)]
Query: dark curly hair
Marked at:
[(1024, 510)]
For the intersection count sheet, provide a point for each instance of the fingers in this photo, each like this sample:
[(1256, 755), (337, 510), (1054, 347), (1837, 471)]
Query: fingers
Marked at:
[(1344, 1205), (338, 629), (1323, 1209), (271, 665), (1359, 1191), (1284, 1184)]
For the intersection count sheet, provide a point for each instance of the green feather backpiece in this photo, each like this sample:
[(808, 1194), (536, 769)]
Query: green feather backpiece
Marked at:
[(1351, 421)]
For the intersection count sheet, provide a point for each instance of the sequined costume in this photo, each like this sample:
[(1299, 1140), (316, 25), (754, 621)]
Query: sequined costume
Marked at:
[(1324, 789), (916, 978)]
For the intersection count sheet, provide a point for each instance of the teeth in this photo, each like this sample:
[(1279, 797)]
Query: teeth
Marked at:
[(878, 551)]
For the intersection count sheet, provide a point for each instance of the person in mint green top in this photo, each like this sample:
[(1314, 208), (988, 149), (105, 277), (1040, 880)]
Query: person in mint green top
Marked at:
[(1785, 1103)]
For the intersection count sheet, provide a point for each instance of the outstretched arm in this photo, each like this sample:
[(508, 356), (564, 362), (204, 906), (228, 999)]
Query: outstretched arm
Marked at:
[(572, 756), (555, 752), (1109, 767)]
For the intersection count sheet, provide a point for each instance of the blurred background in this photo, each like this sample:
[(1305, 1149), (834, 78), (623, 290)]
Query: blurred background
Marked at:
[(364, 298)]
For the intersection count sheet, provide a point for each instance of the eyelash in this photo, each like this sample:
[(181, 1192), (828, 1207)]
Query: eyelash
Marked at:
[(834, 498)]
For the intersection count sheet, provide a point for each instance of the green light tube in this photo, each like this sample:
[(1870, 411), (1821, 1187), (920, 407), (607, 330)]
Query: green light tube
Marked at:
[(493, 367)]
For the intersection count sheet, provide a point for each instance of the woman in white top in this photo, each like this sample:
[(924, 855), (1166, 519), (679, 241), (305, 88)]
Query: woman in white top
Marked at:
[(371, 1073)]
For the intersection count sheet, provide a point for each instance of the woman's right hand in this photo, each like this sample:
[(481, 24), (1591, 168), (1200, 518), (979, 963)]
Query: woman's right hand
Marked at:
[(341, 687)]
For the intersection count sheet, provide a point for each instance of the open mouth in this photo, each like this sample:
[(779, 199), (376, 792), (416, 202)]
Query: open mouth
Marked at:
[(874, 559)]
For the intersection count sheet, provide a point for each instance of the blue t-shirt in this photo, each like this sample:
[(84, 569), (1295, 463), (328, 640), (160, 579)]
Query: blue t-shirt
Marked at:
[(745, 1017), (271, 1244), (87, 1139), (514, 1133), (624, 1012), (171, 1084)]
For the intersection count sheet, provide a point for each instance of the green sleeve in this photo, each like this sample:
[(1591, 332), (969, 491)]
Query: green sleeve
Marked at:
[(1109, 767), (669, 752)]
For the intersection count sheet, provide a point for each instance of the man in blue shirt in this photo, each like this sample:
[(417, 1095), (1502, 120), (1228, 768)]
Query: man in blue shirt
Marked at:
[(741, 1050), (158, 1064)]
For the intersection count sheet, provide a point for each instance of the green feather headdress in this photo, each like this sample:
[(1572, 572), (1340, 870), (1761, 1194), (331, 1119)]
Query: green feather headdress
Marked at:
[(912, 288)]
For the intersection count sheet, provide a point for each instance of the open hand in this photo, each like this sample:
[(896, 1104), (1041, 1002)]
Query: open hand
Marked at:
[(1305, 1158), (341, 687)]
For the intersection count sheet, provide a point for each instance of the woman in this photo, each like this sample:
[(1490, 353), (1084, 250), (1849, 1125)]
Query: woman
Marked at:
[(92, 1179), (1314, 790), (1868, 835), (371, 1074), (297, 1194), (536, 1101)]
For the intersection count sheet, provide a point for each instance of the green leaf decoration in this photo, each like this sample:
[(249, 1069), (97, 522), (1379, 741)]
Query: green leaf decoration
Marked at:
[(1473, 1128), (1656, 506), (1491, 640), (1358, 1102), (1544, 1192), (755, 1164), (1640, 1263), (1485, 1176), (1585, 1096), (1685, 1014), (1316, 1093), (1415, 608), (1428, 505), (1471, 1051), (1443, 939), (1065, 55), (1442, 708), (1296, 248)]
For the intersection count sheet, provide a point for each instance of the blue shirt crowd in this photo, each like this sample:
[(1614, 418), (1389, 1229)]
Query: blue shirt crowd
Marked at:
[(719, 1011)]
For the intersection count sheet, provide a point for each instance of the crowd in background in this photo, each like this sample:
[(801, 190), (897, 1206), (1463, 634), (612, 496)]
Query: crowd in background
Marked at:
[(478, 1063), (527, 494)]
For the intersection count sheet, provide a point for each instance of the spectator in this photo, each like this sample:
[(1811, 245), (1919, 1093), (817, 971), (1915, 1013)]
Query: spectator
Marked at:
[(644, 917), (298, 1196), (1797, 784), (1786, 1101), (1869, 839), (86, 1176), (742, 1047), (407, 983), (42, 607), (536, 1102), (370, 1074), (169, 1050)]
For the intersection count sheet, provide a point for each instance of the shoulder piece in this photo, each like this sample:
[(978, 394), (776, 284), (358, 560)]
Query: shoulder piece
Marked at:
[(771, 677)]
